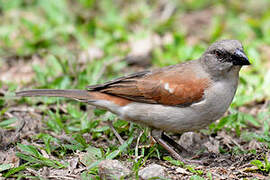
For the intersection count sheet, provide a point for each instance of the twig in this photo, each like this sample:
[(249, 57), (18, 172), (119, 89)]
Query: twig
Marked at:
[(18, 130), (168, 11), (61, 177), (34, 172), (137, 144), (9, 114), (21, 109)]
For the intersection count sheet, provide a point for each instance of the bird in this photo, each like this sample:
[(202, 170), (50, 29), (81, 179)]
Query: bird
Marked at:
[(179, 98)]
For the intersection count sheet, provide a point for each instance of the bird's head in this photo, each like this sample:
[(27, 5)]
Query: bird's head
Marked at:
[(224, 56)]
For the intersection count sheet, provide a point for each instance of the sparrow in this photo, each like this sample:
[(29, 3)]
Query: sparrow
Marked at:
[(178, 98)]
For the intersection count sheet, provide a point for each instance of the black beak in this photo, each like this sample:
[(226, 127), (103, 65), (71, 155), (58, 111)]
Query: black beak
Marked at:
[(240, 58)]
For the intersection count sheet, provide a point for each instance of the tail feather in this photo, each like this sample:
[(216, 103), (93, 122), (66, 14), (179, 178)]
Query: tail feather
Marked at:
[(80, 95)]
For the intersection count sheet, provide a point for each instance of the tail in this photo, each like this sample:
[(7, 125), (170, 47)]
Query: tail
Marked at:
[(80, 95)]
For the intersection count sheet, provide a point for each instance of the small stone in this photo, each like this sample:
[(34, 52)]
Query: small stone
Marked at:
[(212, 146), (112, 169), (253, 144), (268, 156), (152, 171), (182, 171), (192, 141)]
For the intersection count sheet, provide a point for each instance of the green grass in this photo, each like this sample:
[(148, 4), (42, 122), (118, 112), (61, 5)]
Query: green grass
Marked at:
[(59, 31)]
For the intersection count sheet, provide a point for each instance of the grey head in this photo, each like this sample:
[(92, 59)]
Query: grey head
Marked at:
[(224, 58)]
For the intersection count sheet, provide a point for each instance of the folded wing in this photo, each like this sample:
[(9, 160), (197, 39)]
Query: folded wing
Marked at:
[(174, 86)]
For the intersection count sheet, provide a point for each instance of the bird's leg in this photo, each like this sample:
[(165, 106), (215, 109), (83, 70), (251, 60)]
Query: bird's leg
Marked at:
[(180, 148), (174, 144), (115, 132), (157, 135)]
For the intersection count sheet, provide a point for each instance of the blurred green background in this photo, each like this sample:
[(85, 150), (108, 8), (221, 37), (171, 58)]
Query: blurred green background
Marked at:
[(71, 44), (74, 38)]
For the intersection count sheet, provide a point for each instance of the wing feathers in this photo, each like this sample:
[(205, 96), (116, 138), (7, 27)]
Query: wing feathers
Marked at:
[(169, 86)]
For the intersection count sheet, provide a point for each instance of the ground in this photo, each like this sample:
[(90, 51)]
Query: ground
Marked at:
[(68, 45)]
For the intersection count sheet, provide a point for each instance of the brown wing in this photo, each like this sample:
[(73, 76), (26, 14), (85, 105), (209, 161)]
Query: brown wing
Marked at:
[(173, 85)]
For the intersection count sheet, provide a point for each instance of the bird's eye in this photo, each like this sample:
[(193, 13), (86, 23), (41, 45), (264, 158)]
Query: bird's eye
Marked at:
[(218, 53)]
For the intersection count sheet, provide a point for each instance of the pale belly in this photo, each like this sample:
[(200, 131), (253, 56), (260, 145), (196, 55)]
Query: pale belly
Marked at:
[(171, 119)]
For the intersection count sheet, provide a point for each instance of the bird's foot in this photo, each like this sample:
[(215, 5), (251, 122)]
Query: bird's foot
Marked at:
[(169, 144)]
